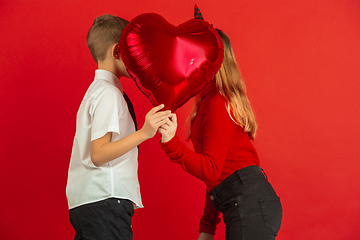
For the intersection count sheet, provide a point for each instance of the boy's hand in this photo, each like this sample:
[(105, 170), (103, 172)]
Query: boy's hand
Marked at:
[(168, 129), (154, 120)]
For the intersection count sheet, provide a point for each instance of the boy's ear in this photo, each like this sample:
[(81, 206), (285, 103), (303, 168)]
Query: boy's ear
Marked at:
[(116, 51)]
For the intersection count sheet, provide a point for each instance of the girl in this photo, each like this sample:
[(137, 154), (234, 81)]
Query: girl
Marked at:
[(222, 128)]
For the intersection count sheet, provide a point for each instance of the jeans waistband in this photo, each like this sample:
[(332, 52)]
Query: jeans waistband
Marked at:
[(244, 176)]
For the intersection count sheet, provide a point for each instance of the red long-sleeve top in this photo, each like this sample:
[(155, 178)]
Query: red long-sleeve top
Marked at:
[(221, 147)]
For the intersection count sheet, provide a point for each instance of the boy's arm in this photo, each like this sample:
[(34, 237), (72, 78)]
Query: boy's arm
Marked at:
[(103, 151)]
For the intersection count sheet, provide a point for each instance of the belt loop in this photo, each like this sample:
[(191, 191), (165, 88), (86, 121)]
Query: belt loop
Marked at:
[(241, 178), (264, 173)]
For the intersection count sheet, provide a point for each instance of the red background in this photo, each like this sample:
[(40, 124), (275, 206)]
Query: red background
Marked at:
[(300, 61)]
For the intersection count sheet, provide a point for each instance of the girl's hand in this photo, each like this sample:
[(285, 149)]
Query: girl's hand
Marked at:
[(153, 120), (168, 129), (205, 236)]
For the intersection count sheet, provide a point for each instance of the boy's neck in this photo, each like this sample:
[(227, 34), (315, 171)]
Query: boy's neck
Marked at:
[(109, 67), (116, 66)]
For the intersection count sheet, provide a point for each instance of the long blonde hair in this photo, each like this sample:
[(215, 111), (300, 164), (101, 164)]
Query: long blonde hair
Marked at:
[(231, 86)]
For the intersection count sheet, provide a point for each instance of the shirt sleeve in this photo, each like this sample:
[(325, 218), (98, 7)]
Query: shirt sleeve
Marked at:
[(217, 130), (105, 112), (210, 218)]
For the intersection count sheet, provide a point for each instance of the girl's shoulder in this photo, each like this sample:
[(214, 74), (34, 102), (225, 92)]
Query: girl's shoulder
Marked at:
[(215, 98), (214, 104)]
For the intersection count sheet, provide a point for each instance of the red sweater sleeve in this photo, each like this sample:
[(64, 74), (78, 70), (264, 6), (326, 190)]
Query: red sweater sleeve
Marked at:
[(214, 128), (210, 218), (217, 128)]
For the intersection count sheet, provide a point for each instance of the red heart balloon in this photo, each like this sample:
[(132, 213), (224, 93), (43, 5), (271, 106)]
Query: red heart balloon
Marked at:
[(170, 64)]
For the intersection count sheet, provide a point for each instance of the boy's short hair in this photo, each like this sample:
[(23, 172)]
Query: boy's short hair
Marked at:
[(105, 31)]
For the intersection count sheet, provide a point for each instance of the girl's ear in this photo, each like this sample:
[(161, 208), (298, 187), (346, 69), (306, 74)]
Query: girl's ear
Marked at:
[(116, 51)]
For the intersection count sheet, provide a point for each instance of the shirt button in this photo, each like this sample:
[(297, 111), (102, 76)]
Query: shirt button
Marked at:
[(212, 197), (118, 201)]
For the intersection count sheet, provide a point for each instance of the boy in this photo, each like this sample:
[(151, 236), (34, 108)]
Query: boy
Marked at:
[(102, 187)]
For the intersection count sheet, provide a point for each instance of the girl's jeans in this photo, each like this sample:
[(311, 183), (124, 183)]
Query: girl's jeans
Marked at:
[(250, 207)]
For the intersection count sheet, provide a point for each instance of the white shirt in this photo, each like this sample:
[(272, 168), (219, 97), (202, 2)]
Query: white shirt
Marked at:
[(102, 110)]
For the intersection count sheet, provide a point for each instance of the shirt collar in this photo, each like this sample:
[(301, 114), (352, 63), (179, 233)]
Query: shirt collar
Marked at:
[(101, 74)]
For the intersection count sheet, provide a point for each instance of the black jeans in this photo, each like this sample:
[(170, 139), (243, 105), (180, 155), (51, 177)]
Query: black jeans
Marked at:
[(250, 207), (108, 219)]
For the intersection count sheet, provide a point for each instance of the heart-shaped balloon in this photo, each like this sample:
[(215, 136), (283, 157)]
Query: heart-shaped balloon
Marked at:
[(170, 64)]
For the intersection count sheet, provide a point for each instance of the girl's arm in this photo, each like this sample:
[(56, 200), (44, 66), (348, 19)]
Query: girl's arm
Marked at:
[(210, 217), (205, 236), (207, 164), (217, 128)]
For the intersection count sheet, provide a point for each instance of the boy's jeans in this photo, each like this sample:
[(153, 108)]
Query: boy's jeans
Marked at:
[(108, 219)]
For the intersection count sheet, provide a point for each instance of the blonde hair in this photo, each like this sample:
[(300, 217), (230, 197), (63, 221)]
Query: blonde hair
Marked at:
[(105, 31), (231, 86)]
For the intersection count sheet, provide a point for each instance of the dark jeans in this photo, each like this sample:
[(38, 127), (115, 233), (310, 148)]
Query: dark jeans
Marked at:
[(250, 207), (109, 219)]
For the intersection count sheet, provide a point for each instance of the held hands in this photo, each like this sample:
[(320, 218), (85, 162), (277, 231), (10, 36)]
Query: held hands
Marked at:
[(168, 129), (154, 119)]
